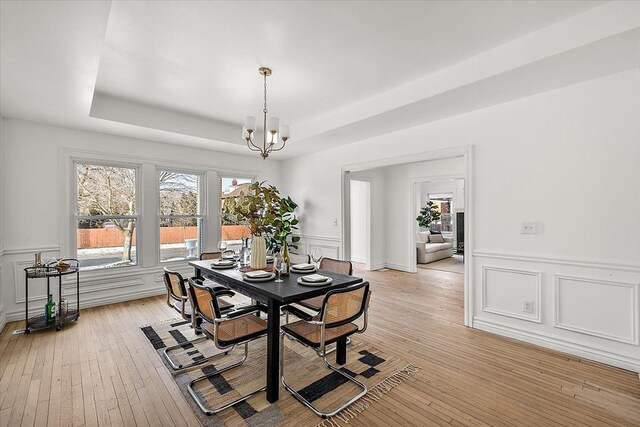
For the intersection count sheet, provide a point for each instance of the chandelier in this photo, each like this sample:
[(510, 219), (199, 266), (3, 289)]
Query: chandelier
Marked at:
[(272, 130)]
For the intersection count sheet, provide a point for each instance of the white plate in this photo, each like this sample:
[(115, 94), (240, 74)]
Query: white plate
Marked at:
[(223, 266), (312, 270), (314, 284), (259, 279)]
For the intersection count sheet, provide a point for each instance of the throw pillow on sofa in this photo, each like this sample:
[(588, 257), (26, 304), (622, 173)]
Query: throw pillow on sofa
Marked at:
[(424, 236), (436, 238)]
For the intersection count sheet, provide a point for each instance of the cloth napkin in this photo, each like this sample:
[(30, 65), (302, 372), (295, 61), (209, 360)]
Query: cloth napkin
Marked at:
[(257, 274), (303, 266), (223, 262), (315, 278)]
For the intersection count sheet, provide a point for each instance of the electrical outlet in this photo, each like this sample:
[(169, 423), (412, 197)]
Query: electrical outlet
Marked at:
[(335, 222), (529, 228), (527, 306)]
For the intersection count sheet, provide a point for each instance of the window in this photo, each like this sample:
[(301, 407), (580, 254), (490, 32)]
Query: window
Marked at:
[(106, 216), (444, 205), (231, 188), (181, 215)]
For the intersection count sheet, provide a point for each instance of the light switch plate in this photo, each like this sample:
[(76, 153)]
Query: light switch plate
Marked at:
[(528, 228)]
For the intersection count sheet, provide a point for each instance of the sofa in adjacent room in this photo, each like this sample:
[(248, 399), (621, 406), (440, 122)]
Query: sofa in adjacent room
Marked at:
[(433, 247)]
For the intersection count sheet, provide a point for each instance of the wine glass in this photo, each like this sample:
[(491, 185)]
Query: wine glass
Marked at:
[(222, 246), (280, 265), (236, 257), (316, 255)]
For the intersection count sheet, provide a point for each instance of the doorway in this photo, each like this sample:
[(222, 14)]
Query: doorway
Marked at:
[(394, 225), (360, 220)]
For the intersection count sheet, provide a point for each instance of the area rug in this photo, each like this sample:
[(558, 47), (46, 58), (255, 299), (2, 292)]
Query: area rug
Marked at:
[(304, 370), (452, 264)]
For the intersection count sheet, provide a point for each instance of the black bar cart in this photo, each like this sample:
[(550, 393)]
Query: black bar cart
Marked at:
[(65, 314)]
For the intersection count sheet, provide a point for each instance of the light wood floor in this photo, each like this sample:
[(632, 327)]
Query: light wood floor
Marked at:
[(102, 370)]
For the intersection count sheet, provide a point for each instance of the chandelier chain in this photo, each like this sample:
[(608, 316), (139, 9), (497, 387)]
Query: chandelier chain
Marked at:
[(265, 94)]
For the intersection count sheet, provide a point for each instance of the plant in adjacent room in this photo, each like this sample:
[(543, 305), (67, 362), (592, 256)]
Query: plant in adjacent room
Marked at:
[(428, 214)]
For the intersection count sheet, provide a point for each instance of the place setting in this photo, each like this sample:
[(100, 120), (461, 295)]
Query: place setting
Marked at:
[(258, 276), (314, 280), (223, 263), (305, 268)]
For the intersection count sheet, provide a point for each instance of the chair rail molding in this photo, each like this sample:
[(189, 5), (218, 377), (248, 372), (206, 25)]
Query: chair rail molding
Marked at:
[(536, 275), (633, 336), (598, 264)]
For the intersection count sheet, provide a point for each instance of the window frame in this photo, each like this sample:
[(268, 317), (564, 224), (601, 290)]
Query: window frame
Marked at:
[(451, 211), (202, 207), (76, 218)]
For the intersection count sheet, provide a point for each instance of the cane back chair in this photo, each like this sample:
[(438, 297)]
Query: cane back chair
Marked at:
[(329, 264), (340, 309), (177, 290), (236, 327)]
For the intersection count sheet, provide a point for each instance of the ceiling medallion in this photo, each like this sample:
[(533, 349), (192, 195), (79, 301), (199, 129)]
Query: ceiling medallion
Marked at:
[(271, 127)]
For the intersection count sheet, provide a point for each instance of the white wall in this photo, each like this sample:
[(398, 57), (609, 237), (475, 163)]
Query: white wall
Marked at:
[(549, 158), (3, 314), (359, 220), (377, 179), (34, 195)]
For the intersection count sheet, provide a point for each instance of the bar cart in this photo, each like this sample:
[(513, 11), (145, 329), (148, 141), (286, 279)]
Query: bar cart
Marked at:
[(38, 322)]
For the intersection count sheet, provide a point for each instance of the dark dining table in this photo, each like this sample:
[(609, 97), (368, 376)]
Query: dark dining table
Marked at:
[(274, 296)]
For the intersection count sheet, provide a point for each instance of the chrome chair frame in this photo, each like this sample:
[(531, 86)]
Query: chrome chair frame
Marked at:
[(218, 291), (217, 321), (322, 352)]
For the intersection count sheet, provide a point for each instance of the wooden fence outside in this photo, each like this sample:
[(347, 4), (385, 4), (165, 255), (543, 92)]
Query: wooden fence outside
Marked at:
[(112, 237)]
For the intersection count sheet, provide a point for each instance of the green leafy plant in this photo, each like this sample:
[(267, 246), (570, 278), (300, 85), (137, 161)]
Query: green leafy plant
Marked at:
[(428, 214), (283, 225), (258, 208)]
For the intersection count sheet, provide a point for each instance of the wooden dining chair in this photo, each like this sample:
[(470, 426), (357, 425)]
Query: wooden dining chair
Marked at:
[(210, 255), (177, 290), (340, 309), (226, 330)]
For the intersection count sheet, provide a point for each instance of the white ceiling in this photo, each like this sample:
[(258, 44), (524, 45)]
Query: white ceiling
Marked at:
[(186, 72)]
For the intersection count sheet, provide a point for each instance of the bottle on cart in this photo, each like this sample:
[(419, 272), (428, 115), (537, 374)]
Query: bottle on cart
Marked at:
[(48, 310)]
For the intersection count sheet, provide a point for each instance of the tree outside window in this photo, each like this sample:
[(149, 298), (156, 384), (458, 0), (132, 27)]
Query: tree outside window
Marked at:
[(180, 215), (106, 216)]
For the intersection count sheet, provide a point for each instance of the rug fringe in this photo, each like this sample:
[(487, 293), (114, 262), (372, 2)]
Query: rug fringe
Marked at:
[(373, 395)]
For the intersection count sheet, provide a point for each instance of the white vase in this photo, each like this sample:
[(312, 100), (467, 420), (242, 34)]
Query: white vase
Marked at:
[(258, 253)]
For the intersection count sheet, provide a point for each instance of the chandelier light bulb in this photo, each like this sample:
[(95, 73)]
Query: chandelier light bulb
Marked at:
[(250, 123)]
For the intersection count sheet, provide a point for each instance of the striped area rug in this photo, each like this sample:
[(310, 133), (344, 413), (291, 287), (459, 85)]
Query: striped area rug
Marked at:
[(304, 370)]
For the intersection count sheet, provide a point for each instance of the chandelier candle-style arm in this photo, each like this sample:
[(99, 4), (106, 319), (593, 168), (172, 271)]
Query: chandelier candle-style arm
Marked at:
[(271, 128)]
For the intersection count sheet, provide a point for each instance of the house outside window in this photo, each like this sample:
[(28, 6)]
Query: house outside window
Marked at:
[(230, 189)]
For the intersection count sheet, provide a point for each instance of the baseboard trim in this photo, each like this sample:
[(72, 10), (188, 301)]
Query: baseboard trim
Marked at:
[(97, 301), (398, 267), (557, 344), (3, 318)]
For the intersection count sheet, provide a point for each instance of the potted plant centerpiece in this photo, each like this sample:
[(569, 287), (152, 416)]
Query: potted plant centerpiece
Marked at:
[(270, 218), (283, 226), (258, 208)]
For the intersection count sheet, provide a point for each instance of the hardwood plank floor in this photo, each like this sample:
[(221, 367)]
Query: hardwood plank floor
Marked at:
[(102, 371)]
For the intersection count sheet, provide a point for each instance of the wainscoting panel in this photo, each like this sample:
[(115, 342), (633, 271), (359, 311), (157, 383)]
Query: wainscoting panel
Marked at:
[(329, 246), (504, 291), (579, 307)]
